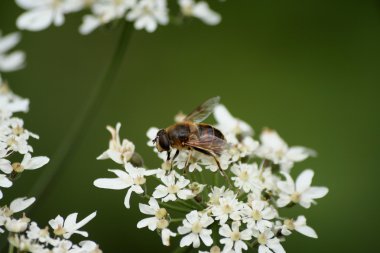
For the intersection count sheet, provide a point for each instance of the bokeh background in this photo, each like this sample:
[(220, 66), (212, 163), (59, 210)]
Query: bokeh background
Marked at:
[(309, 69)]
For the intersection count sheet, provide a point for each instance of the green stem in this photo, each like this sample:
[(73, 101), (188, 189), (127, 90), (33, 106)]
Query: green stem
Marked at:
[(85, 117), (216, 178), (11, 248), (175, 208), (188, 205)]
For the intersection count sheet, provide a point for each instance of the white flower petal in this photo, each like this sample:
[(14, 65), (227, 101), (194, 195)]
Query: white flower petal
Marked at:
[(21, 204), (36, 19), (111, 183), (303, 181)]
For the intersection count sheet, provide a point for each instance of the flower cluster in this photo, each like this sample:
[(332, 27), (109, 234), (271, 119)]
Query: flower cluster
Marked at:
[(16, 158), (146, 14), (230, 208)]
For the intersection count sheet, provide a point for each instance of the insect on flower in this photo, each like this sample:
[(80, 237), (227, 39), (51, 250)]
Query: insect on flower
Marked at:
[(191, 134)]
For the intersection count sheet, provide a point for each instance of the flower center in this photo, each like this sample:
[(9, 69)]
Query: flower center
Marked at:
[(295, 197), (161, 213), (227, 208), (262, 239), (289, 224), (196, 228), (235, 235), (139, 180), (17, 130), (256, 215), (17, 167), (11, 141), (173, 189), (215, 249), (59, 231), (244, 176), (162, 223)]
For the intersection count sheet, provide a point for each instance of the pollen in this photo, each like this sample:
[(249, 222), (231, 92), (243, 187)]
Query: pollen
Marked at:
[(17, 167), (139, 180), (289, 224), (59, 231), (235, 235), (295, 197), (173, 189), (215, 249), (161, 213), (162, 223), (256, 215), (18, 130), (196, 228), (227, 208), (244, 176), (262, 239)]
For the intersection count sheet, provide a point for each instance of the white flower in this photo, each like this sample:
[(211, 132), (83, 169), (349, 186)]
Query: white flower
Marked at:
[(10, 103), (5, 183), (63, 246), (194, 163), (41, 14), (267, 242), (298, 225), (67, 227), (119, 152), (30, 163), (24, 244), (10, 61), (17, 225), (86, 247), (165, 235), (301, 192), (247, 176), (195, 227), (258, 215), (199, 10), (152, 209), (104, 12), (148, 13), (131, 178), (36, 233), (274, 148), (218, 193), (158, 221), (229, 207), (172, 188), (224, 161), (234, 238), (229, 125)]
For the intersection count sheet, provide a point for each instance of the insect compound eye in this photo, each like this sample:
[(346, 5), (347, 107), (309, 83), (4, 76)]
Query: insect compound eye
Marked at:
[(163, 143)]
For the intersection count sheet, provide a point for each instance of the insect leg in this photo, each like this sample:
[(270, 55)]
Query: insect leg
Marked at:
[(174, 157), (187, 161), (222, 171)]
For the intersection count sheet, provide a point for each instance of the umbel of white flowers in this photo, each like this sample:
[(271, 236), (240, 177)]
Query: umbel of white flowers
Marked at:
[(146, 14), (24, 234), (192, 200)]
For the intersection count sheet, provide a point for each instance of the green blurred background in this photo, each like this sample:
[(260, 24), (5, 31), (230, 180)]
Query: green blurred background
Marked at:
[(309, 69)]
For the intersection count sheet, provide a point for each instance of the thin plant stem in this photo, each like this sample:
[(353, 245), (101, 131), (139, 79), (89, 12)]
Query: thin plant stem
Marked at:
[(216, 178), (85, 117), (11, 248), (184, 203), (175, 208), (176, 220)]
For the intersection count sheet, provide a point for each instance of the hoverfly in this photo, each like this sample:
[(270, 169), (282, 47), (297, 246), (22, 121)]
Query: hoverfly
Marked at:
[(191, 134)]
